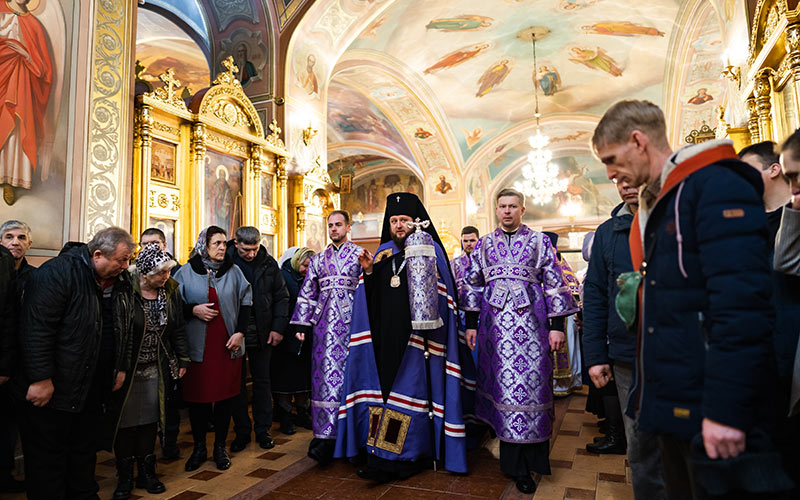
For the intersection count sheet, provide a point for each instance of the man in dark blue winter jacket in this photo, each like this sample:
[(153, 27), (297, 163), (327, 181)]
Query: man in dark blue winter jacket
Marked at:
[(704, 322), (609, 347)]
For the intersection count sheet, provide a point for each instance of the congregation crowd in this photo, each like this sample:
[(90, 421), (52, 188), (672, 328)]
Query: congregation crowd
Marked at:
[(687, 317)]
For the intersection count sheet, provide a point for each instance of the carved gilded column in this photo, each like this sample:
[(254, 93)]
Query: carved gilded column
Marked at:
[(253, 185), (792, 43), (762, 92), (142, 127), (300, 226), (195, 222), (752, 120), (282, 205)]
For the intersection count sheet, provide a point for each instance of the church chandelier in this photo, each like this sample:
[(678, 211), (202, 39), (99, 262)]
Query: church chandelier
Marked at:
[(540, 181)]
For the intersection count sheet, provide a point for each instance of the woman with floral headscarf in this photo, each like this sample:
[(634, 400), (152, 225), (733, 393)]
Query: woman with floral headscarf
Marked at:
[(160, 355), (291, 360), (218, 299)]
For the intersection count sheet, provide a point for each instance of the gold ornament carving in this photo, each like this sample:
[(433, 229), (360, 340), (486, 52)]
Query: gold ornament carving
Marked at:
[(752, 120), (169, 94), (792, 43), (163, 127), (772, 23), (228, 77), (300, 211), (274, 137), (227, 144), (199, 142), (231, 114), (769, 21)]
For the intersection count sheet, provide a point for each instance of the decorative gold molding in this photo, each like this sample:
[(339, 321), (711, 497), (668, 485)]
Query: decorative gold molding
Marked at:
[(752, 120), (163, 127), (762, 91), (226, 144), (274, 137), (108, 117), (168, 94)]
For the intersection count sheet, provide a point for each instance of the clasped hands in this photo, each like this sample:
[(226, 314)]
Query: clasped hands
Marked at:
[(557, 339)]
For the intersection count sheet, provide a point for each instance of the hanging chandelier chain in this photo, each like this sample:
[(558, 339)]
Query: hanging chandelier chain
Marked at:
[(535, 90)]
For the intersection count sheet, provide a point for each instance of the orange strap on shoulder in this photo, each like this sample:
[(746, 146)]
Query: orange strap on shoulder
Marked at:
[(681, 171)]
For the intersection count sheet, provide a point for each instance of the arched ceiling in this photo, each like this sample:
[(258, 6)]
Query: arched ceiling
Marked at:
[(473, 60)]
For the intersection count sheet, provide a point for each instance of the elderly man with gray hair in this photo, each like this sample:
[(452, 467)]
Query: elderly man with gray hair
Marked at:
[(16, 236), (75, 350)]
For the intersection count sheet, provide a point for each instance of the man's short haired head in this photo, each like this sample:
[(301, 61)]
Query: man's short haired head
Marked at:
[(343, 213), (14, 224), (469, 238), (624, 117), (111, 250), (16, 236), (153, 235), (248, 242), (764, 157), (511, 192), (248, 235)]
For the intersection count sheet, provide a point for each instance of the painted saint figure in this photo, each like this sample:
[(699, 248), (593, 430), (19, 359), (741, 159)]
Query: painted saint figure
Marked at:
[(322, 316), (493, 77), (457, 57), (701, 97), (621, 28), (221, 198), (26, 76), (443, 186), (595, 59), (548, 80), (309, 80), (517, 296), (460, 23), (247, 69)]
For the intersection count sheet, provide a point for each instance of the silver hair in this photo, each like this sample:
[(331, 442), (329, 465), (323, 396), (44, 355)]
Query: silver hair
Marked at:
[(107, 240), (14, 224), (248, 235)]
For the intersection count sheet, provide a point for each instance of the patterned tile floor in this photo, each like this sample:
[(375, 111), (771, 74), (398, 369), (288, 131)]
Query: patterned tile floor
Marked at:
[(285, 473)]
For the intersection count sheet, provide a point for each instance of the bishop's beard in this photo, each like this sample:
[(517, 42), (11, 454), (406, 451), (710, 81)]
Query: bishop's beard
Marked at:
[(400, 241)]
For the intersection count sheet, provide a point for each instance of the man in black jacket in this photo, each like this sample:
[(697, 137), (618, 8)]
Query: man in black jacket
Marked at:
[(75, 350), (16, 237), (607, 341), (786, 300), (265, 329), (8, 329)]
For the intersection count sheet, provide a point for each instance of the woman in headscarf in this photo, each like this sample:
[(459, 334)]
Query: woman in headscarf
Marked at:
[(291, 359), (161, 355), (218, 299)]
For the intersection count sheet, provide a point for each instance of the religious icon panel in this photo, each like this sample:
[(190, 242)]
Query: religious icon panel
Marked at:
[(223, 191)]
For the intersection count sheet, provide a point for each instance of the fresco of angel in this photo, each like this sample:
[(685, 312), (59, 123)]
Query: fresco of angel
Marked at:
[(493, 77), (475, 135), (460, 23), (621, 28), (457, 57), (595, 59), (547, 79)]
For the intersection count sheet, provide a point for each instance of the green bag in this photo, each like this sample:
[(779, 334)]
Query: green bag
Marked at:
[(627, 297)]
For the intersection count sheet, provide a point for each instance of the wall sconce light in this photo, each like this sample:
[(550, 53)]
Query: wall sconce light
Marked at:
[(732, 73), (308, 134)]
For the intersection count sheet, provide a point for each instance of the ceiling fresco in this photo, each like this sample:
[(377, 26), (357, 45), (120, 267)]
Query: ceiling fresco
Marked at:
[(477, 59)]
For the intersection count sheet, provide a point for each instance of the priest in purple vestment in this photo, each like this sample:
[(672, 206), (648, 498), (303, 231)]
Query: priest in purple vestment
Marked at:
[(516, 293), (322, 315), (461, 265)]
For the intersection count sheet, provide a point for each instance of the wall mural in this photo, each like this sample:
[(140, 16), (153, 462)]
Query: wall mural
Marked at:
[(161, 44), (223, 191), (36, 74), (249, 54), (353, 117)]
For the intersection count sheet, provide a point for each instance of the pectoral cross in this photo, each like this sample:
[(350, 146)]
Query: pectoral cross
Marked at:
[(170, 83), (418, 225)]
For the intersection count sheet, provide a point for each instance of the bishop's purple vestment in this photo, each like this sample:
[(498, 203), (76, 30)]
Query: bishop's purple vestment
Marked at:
[(325, 302), (516, 285)]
